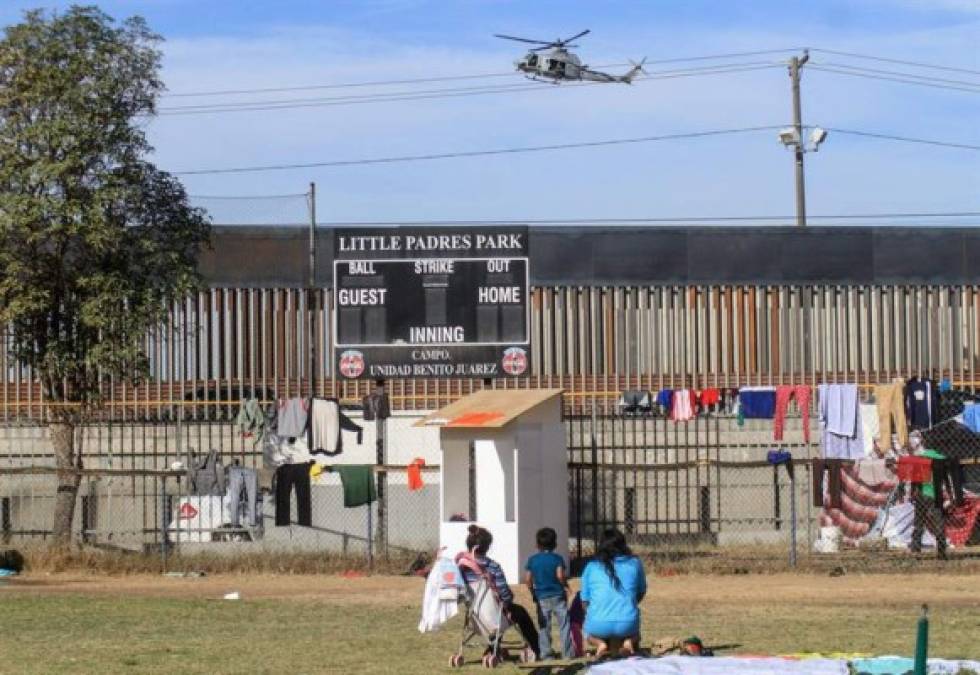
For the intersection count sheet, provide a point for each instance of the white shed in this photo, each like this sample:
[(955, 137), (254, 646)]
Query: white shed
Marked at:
[(504, 467)]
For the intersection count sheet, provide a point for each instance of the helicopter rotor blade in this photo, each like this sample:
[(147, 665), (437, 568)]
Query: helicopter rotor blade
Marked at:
[(576, 37), (520, 39)]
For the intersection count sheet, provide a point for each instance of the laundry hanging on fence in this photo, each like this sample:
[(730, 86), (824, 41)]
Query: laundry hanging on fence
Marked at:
[(757, 402), (971, 417), (869, 428), (414, 474), (874, 471), (840, 421), (856, 511), (832, 467), (328, 421), (684, 405), (377, 405), (962, 520), (252, 420), (243, 496), (921, 402), (891, 411), (710, 396), (358, 482), (291, 417), (288, 478), (801, 394), (205, 475)]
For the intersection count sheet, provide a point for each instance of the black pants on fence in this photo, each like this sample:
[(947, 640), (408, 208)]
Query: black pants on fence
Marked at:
[(927, 515), (525, 625), (287, 477), (834, 487)]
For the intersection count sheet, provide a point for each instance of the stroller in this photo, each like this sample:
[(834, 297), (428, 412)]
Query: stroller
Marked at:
[(484, 617)]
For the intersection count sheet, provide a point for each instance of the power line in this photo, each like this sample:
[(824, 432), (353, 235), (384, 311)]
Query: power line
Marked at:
[(904, 139), (903, 80), (662, 220), (447, 78), (879, 71), (917, 64), (285, 104), (250, 197), (477, 153), (557, 146)]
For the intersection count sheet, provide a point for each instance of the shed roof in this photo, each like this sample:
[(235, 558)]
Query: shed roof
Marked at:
[(489, 408)]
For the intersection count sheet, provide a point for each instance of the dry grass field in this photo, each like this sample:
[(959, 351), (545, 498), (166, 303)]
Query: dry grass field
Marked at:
[(81, 623)]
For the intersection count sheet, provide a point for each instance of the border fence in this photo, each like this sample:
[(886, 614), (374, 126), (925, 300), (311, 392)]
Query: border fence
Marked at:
[(701, 489)]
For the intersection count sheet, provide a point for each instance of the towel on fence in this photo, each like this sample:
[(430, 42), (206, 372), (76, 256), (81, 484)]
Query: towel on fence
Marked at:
[(840, 421), (874, 471), (757, 402), (962, 520), (252, 420), (358, 482), (292, 417), (414, 472)]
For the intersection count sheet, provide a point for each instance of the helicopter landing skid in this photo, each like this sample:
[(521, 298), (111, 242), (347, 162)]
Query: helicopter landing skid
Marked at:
[(555, 82)]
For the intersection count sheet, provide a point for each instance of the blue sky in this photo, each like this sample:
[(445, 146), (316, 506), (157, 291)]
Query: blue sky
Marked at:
[(236, 44)]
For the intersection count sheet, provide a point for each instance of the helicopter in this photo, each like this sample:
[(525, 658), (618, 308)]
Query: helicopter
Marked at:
[(559, 65)]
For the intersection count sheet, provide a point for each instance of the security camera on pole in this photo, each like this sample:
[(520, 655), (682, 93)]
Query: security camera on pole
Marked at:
[(792, 137)]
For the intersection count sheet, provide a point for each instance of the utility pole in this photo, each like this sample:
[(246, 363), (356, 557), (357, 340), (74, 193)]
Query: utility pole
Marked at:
[(795, 64), (311, 293)]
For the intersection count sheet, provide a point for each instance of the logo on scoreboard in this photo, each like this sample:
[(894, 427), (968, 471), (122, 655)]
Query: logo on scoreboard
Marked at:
[(351, 363), (514, 361)]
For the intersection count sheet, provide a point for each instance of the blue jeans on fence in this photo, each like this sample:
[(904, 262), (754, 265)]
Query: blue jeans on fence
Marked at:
[(551, 611)]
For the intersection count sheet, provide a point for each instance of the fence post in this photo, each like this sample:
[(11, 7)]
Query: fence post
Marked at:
[(704, 509), (595, 480), (808, 500), (577, 481), (5, 525), (792, 515), (382, 479), (370, 538), (164, 511), (776, 507)]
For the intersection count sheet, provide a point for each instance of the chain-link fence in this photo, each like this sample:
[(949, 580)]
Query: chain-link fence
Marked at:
[(707, 490), (136, 493), (720, 489)]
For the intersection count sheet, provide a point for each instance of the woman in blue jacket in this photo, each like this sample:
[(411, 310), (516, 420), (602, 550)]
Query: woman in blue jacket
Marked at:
[(613, 584)]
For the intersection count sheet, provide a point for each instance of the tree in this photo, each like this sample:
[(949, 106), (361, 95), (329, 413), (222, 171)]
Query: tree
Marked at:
[(95, 241)]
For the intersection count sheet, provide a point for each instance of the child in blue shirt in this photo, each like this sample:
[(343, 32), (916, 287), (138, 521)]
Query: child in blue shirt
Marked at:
[(546, 578)]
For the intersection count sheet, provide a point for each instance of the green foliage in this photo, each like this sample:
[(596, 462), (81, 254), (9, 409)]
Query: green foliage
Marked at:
[(95, 241)]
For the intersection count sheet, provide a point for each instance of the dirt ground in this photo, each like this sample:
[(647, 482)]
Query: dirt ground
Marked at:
[(861, 590), (368, 624)]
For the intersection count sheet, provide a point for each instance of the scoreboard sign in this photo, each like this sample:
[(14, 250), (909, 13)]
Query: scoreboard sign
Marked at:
[(431, 302)]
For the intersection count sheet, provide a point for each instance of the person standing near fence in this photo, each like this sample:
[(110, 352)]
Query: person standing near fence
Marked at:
[(546, 577)]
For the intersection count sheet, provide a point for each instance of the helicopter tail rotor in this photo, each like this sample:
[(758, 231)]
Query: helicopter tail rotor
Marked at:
[(637, 69)]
